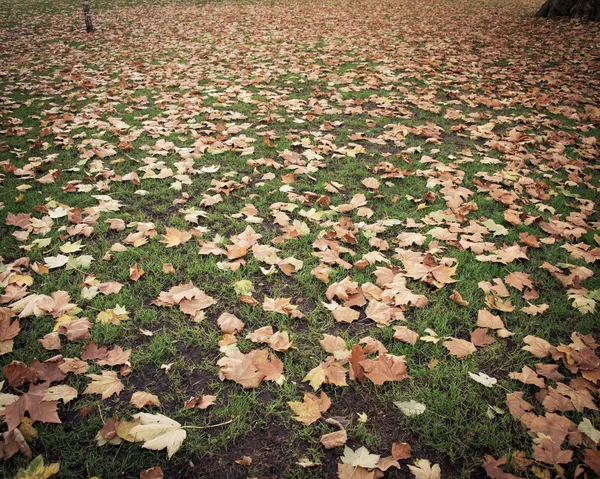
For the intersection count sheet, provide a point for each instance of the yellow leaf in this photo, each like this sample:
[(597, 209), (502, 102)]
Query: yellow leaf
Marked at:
[(37, 470)]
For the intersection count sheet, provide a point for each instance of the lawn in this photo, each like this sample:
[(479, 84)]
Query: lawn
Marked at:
[(298, 239)]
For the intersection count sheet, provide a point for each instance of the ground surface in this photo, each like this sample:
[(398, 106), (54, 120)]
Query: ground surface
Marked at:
[(364, 159)]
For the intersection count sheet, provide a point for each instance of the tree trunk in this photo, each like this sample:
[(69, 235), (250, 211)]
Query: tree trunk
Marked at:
[(581, 9), (89, 26)]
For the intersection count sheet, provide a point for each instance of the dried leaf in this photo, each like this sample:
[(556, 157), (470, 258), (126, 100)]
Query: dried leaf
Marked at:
[(106, 383), (459, 347), (158, 432), (139, 399)]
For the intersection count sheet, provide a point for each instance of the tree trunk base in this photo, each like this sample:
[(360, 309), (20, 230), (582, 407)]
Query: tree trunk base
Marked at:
[(89, 25), (579, 9)]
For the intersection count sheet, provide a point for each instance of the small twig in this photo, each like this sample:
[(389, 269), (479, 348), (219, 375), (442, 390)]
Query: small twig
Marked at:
[(502, 387), (101, 417), (208, 427), (80, 271), (439, 415), (118, 450)]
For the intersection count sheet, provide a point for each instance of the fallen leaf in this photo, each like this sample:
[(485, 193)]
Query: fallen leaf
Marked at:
[(173, 237), (37, 470), (538, 347), (459, 347), (135, 272), (33, 403), (550, 452), (158, 432), (484, 379), (167, 268), (410, 408), (139, 399), (152, 473), (310, 409), (241, 369), (334, 439), (229, 323), (385, 368), (347, 471), (62, 392), (405, 335), (424, 470), (401, 450), (200, 402), (244, 461), (106, 383), (360, 458)]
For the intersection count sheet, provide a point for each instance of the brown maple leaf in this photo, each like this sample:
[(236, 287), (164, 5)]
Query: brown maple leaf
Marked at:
[(459, 347), (334, 345), (401, 450), (106, 383), (272, 368), (229, 323), (528, 376), (8, 331), (493, 468), (550, 452), (173, 237), (485, 319), (135, 272), (405, 335), (517, 406), (199, 302), (328, 372), (18, 373), (49, 370), (31, 402), (111, 287), (139, 399), (51, 341), (536, 346), (592, 460), (334, 439), (240, 368), (57, 305), (200, 402), (357, 355), (13, 442), (480, 337), (152, 473), (76, 330), (458, 299), (385, 368), (554, 426), (311, 408)]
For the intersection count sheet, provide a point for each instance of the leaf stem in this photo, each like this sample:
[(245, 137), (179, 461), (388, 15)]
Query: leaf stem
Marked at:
[(210, 426)]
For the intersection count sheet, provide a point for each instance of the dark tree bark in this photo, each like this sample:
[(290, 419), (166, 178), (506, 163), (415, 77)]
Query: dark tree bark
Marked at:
[(582, 9), (89, 26)]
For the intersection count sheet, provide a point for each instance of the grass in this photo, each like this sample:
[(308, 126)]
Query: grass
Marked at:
[(292, 71)]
